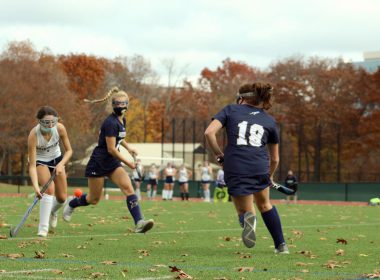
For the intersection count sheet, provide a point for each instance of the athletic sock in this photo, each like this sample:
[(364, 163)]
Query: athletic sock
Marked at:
[(138, 193), (79, 201), (183, 196), (187, 196), (273, 224), (46, 205), (207, 195), (56, 205), (164, 194), (149, 193), (134, 207), (170, 194), (154, 193), (241, 220)]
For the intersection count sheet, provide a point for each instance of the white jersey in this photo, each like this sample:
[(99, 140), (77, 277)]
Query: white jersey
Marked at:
[(206, 176), (47, 150), (152, 174), (183, 176), (220, 177), (135, 174), (169, 171)]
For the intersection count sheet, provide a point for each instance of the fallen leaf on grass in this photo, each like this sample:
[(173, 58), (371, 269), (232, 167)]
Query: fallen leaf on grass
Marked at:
[(339, 252), (98, 274), (332, 264), (220, 278), (39, 255), (13, 256), (67, 255), (341, 240), (2, 270), (374, 275), (58, 272), (297, 232), (181, 275), (363, 255), (245, 269), (3, 236), (109, 262), (307, 254)]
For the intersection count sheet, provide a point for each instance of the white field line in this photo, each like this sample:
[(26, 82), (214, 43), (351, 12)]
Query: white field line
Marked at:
[(190, 231), (154, 278), (35, 277), (27, 271)]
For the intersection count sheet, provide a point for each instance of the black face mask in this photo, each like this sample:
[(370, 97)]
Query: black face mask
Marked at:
[(119, 111)]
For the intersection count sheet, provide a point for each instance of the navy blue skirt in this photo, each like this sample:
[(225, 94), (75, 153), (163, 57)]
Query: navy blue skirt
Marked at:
[(239, 185)]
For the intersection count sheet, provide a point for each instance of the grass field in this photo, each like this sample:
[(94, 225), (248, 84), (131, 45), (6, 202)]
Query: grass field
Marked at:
[(200, 239)]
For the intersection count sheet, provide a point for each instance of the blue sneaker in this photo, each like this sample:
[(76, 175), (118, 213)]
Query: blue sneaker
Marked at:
[(249, 230)]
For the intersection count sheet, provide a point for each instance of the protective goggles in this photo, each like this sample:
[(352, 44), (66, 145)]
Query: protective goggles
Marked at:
[(48, 123), (120, 103)]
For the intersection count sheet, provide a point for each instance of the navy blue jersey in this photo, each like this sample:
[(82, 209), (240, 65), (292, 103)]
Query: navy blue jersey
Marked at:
[(111, 127), (249, 129)]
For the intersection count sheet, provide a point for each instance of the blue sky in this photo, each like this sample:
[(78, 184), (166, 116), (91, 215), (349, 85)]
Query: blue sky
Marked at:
[(196, 34)]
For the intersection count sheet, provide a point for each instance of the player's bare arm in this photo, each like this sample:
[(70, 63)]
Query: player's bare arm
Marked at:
[(210, 135), (274, 158), (67, 146), (32, 152)]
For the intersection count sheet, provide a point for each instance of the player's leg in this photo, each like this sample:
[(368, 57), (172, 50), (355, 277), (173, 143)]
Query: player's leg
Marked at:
[(121, 178), (149, 190), (59, 199), (206, 192), (182, 190), (138, 191), (247, 218), (165, 191), (154, 187), (95, 185), (272, 220), (46, 202), (170, 193), (186, 190)]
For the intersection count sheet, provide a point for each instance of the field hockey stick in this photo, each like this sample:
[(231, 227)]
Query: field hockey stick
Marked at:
[(283, 189), (138, 168), (14, 231)]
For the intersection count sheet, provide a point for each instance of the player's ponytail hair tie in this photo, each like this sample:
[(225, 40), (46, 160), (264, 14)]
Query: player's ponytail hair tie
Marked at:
[(105, 98)]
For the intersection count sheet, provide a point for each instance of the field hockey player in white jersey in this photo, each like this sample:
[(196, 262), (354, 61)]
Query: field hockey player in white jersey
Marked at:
[(44, 156)]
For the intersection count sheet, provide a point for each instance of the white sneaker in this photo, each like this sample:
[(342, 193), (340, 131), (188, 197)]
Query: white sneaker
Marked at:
[(249, 230), (282, 249), (53, 220), (42, 233), (67, 212), (143, 226)]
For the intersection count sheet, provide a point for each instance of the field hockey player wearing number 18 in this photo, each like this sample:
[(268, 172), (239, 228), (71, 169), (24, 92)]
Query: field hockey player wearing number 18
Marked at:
[(248, 167), (106, 161)]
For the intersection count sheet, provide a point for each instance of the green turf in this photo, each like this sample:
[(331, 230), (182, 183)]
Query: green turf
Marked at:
[(202, 239)]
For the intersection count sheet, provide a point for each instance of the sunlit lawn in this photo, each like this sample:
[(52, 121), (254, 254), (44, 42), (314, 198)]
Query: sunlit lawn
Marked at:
[(201, 239)]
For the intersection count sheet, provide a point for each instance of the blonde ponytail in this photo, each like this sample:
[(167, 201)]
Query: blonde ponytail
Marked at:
[(105, 98)]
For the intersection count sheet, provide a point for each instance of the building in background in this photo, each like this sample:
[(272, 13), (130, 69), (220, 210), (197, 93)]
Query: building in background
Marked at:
[(371, 62)]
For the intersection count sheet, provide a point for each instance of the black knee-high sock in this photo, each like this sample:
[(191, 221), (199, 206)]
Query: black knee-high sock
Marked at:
[(183, 196), (187, 196), (273, 224), (79, 201)]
